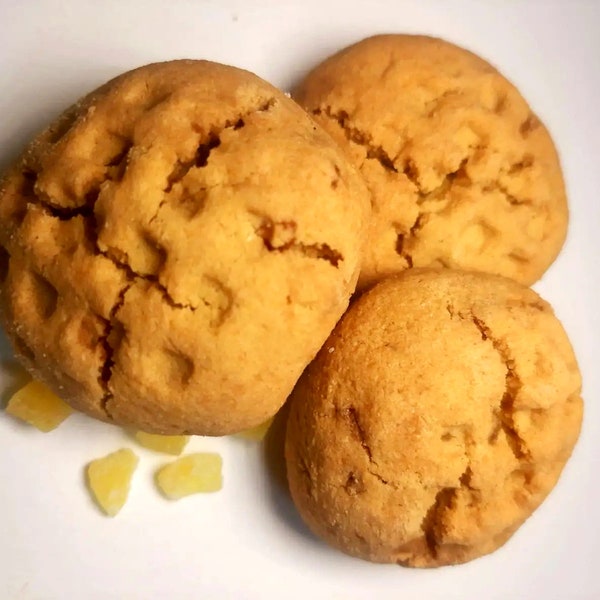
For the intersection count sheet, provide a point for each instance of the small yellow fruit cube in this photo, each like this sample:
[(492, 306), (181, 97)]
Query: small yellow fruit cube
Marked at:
[(191, 474), (169, 444), (37, 405), (258, 433), (109, 479)]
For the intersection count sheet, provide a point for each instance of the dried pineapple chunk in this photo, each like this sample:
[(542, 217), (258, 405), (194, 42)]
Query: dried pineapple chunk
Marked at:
[(109, 479), (169, 444), (191, 474), (258, 433), (37, 405)]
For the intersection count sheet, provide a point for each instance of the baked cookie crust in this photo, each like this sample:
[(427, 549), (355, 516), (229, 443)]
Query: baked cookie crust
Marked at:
[(435, 419), (462, 173), (175, 248)]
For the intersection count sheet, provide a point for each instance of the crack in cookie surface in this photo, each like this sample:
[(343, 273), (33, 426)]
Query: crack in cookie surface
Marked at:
[(280, 236), (513, 384), (164, 308), (398, 418), (110, 347), (114, 171), (405, 235), (374, 152), (209, 142), (432, 525), (404, 111), (86, 211), (433, 519), (356, 427)]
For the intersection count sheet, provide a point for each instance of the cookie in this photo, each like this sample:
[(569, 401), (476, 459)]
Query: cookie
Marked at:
[(462, 173), (437, 416), (176, 247)]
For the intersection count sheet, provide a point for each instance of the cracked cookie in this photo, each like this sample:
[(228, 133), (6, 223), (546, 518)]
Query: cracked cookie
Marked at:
[(175, 248), (437, 416), (462, 173)]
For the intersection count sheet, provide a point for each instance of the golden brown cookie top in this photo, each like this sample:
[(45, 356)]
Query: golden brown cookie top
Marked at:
[(462, 173), (434, 420), (177, 246)]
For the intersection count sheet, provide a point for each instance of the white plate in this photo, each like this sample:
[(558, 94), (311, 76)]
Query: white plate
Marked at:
[(247, 542)]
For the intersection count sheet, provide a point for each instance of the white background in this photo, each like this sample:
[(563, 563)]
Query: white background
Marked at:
[(246, 541)]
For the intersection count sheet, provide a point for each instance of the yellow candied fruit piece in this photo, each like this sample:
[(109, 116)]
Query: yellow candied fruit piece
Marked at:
[(258, 433), (109, 479), (169, 444), (191, 474), (35, 404)]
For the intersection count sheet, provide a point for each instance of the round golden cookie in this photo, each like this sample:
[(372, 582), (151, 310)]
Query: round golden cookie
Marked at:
[(437, 416), (462, 173), (176, 247)]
